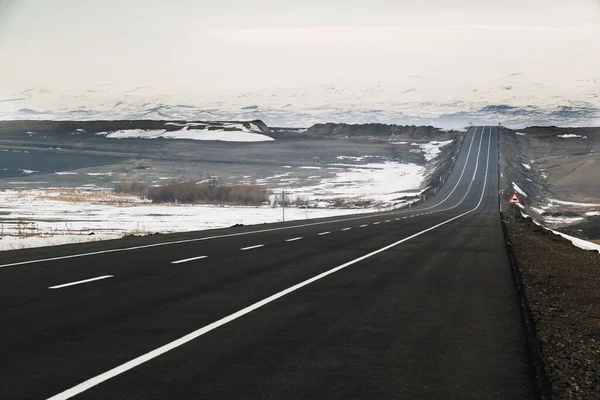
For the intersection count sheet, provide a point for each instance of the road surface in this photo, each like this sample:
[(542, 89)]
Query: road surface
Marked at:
[(418, 303)]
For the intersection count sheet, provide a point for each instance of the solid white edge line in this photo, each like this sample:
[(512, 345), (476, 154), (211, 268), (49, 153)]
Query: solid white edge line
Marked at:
[(252, 247), (80, 282), (82, 387), (188, 260), (294, 239)]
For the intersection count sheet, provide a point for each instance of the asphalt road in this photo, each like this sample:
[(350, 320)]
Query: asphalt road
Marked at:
[(418, 303)]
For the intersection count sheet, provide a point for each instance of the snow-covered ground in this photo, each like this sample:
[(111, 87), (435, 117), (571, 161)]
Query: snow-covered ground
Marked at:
[(37, 219), (389, 182)]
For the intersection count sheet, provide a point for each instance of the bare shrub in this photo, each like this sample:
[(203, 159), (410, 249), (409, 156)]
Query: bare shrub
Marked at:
[(131, 187), (210, 192)]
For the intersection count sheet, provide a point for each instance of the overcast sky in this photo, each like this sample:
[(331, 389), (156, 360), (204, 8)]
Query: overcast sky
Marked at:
[(239, 45)]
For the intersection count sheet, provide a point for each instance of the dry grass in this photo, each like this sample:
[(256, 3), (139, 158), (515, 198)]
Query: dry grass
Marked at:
[(77, 196)]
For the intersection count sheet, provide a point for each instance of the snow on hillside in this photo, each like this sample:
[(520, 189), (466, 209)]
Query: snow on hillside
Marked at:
[(240, 134), (430, 150)]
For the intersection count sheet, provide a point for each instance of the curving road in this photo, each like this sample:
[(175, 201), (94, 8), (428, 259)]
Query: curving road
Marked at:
[(418, 303)]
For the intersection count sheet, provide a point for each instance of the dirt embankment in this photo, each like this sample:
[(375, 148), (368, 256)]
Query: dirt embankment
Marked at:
[(560, 283), (558, 169), (570, 158)]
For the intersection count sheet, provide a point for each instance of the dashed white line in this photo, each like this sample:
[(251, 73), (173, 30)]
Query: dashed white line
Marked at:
[(188, 260), (396, 219), (388, 220), (346, 229), (324, 233), (80, 282), (252, 247), (363, 226), (376, 223), (294, 239)]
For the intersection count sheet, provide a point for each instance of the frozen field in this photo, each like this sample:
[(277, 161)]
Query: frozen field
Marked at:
[(58, 187), (39, 218)]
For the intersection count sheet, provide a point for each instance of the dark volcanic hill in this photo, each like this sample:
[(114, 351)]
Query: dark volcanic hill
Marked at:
[(374, 130)]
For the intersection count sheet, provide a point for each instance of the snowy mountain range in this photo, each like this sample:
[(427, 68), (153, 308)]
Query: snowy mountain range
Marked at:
[(511, 101)]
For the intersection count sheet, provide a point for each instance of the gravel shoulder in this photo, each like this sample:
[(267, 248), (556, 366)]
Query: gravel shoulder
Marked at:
[(560, 283)]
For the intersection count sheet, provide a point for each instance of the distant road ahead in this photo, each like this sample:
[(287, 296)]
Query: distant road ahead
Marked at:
[(414, 304)]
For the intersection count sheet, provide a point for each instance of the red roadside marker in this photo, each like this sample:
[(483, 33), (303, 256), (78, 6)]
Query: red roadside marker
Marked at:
[(514, 199)]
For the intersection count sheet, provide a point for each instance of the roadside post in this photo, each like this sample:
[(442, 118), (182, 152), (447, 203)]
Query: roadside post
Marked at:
[(514, 201)]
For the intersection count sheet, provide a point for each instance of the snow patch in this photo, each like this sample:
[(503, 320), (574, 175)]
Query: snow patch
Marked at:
[(527, 166), (432, 149), (563, 220), (571, 203), (582, 244), (519, 190), (570, 135), (593, 213), (241, 135)]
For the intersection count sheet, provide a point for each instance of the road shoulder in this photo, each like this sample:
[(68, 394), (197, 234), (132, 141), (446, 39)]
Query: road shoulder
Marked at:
[(559, 285)]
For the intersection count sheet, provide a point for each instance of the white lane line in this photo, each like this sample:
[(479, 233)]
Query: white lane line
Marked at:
[(376, 223), (363, 226), (462, 172), (95, 381), (324, 233), (396, 219), (252, 247), (188, 260), (80, 282), (175, 242), (388, 220), (346, 229), (294, 239)]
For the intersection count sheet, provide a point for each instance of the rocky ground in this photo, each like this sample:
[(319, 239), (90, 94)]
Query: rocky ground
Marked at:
[(561, 285)]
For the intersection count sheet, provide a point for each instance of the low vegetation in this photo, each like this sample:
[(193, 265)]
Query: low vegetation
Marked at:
[(206, 192)]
